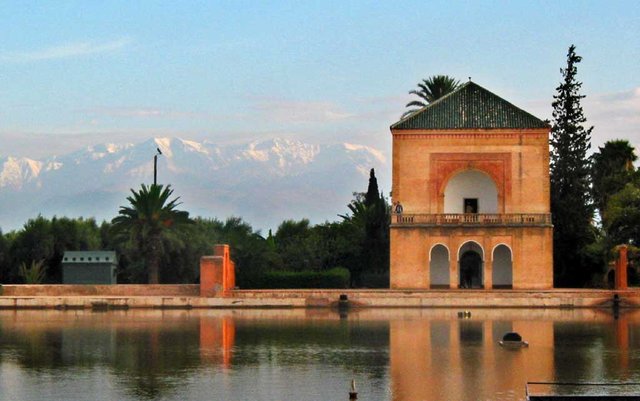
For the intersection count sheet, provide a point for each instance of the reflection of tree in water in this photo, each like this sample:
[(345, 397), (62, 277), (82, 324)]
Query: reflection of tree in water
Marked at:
[(362, 347), (153, 358), (154, 361), (588, 347), (149, 361), (37, 350)]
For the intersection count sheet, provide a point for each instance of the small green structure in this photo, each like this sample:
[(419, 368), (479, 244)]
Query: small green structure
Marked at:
[(89, 267)]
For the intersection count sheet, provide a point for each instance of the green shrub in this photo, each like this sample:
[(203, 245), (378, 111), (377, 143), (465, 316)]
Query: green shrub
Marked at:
[(34, 274), (375, 280), (338, 277)]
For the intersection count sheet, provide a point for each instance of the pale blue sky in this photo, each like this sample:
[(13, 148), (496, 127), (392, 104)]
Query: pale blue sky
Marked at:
[(77, 73)]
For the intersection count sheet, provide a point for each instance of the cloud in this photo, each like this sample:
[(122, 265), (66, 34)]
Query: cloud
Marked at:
[(295, 112), (613, 115), (67, 50)]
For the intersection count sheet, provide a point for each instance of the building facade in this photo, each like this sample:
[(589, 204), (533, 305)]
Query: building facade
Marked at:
[(471, 172)]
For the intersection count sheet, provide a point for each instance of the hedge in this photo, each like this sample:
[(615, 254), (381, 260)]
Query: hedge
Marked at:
[(337, 277)]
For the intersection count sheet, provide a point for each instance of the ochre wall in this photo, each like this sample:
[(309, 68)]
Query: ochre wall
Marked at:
[(518, 163), (517, 160)]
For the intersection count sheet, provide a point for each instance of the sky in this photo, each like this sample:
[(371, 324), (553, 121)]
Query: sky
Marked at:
[(78, 73)]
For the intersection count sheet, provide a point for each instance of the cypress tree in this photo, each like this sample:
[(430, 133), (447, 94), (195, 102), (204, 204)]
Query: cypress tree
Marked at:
[(373, 195), (571, 202)]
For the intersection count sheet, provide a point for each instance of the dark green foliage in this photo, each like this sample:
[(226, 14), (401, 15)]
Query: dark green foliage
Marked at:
[(622, 217), (616, 189), (612, 169), (4, 256), (296, 245), (373, 194), (333, 278), (571, 203), (369, 223), (431, 89), (375, 280), (46, 240)]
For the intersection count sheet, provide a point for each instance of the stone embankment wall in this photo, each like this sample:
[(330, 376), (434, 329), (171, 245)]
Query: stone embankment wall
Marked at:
[(187, 297)]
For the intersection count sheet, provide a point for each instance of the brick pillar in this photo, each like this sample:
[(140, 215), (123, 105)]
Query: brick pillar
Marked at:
[(217, 273), (621, 268)]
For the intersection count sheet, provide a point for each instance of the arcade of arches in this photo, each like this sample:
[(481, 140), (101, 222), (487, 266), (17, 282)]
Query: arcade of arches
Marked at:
[(469, 265)]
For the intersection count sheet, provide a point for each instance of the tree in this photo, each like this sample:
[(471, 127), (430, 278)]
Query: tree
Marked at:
[(296, 246), (431, 89), (369, 219), (571, 202), (373, 195), (147, 221), (612, 169), (622, 217)]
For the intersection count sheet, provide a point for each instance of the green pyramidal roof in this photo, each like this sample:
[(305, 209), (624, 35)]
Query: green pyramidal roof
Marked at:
[(468, 107)]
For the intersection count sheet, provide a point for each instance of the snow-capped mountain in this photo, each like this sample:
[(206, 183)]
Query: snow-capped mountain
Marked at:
[(264, 182)]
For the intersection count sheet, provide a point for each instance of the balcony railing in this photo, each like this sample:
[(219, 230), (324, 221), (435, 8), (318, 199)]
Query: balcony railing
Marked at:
[(473, 219)]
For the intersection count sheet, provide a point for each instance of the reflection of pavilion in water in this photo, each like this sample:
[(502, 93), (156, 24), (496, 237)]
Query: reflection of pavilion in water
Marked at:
[(460, 359)]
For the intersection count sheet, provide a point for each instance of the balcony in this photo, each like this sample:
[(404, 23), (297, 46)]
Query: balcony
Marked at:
[(471, 219)]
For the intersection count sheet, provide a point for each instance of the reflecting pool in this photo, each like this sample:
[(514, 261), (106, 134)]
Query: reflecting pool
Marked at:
[(312, 354)]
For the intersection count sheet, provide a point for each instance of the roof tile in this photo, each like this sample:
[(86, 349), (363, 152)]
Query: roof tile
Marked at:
[(470, 107)]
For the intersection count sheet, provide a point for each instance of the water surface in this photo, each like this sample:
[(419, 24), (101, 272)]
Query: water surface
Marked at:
[(393, 354)]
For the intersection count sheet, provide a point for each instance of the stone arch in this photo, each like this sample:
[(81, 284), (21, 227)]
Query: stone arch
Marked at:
[(502, 266), (471, 184), (471, 265), (439, 257)]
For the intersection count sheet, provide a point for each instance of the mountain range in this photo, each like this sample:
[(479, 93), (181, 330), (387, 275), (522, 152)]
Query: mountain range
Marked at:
[(265, 182)]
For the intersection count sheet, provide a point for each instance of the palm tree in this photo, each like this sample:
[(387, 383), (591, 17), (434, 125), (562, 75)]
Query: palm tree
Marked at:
[(147, 220), (431, 89)]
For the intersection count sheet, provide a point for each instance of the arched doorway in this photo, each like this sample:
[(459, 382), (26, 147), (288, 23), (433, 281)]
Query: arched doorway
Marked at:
[(470, 263), (439, 267), (502, 272)]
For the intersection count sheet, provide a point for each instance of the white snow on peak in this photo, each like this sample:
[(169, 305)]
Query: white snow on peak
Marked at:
[(15, 172), (256, 154), (113, 147), (374, 152), (193, 146), (300, 151)]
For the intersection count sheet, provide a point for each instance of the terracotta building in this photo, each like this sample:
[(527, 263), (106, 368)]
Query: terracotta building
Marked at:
[(471, 172)]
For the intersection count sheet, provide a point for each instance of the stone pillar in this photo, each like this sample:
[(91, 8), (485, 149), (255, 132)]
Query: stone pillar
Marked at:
[(621, 268)]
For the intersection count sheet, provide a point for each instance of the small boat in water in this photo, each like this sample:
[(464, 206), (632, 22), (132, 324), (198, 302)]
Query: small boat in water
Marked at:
[(513, 340)]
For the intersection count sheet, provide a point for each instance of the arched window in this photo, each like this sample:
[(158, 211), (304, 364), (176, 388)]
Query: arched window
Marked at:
[(502, 272), (471, 191), (439, 267)]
